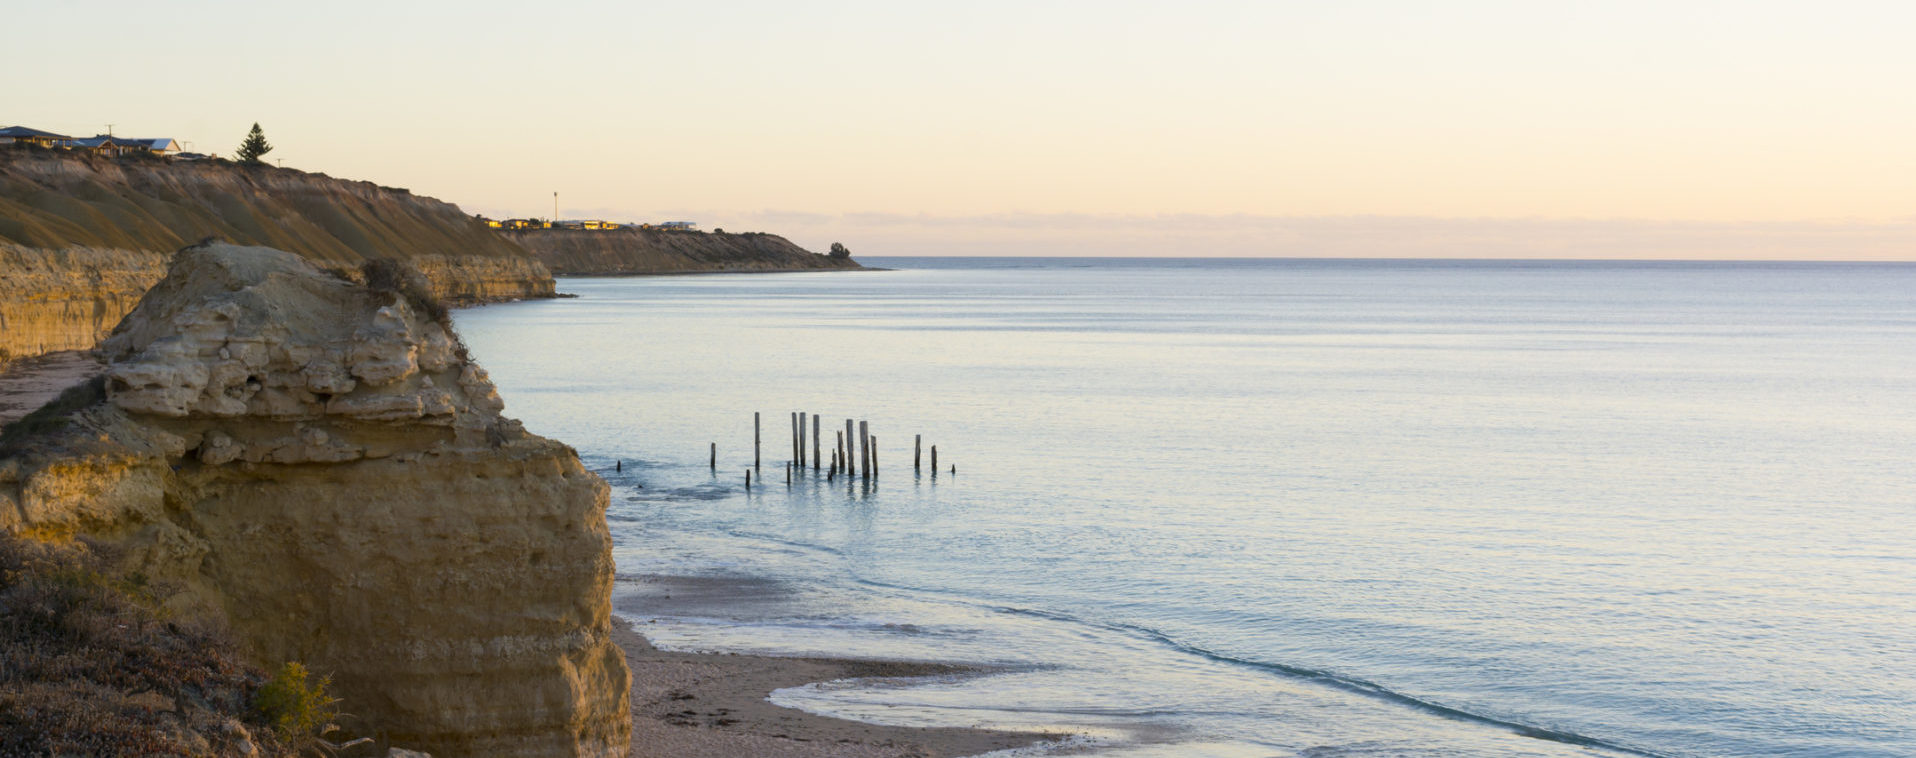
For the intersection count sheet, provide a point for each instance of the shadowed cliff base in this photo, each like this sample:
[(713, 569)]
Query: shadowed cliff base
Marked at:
[(634, 250)]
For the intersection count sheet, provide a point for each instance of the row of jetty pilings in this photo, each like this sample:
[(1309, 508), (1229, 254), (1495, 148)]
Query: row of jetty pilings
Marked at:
[(855, 453)]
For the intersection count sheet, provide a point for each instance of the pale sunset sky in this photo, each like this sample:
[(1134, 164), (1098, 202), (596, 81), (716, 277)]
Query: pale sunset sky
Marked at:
[(1385, 128)]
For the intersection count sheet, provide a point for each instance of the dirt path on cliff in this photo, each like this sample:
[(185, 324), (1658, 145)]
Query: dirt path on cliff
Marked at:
[(698, 705), (28, 383)]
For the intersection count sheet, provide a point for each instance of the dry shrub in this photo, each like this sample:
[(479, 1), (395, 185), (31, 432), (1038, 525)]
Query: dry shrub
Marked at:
[(88, 667)]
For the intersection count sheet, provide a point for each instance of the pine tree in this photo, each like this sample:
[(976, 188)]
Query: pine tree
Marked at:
[(254, 146)]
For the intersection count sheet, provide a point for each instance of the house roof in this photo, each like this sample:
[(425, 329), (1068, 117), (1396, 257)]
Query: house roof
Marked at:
[(21, 132), (150, 143)]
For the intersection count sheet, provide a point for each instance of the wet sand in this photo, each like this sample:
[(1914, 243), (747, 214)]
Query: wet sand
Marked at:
[(699, 705), (28, 383)]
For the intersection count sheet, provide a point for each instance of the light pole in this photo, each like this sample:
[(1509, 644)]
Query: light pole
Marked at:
[(555, 209)]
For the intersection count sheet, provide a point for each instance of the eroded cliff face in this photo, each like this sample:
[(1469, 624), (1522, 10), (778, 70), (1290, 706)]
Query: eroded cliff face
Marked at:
[(52, 300), (319, 464), (632, 250), (79, 234)]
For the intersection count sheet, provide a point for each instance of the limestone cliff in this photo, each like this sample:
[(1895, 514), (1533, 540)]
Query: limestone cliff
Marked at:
[(318, 463), (632, 250), (81, 236), (53, 300)]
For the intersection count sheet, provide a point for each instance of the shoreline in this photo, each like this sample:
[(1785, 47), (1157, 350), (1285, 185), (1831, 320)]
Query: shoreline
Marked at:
[(719, 272), (700, 705)]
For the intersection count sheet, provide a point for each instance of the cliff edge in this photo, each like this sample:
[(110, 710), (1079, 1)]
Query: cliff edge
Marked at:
[(635, 250), (82, 236), (318, 463)]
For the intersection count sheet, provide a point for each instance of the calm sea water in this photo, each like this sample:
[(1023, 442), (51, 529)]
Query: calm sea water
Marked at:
[(1256, 508)]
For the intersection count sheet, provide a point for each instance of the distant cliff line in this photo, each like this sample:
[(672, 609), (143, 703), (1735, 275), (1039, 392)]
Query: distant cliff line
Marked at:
[(83, 236), (636, 250)]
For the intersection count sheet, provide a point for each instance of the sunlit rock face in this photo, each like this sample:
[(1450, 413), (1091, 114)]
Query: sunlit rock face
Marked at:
[(319, 464)]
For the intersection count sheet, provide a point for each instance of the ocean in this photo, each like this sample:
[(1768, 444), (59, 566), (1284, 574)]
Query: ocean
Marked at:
[(1275, 507)]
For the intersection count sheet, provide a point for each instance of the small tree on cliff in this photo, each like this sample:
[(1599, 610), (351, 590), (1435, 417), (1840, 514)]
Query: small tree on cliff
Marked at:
[(839, 251), (254, 146)]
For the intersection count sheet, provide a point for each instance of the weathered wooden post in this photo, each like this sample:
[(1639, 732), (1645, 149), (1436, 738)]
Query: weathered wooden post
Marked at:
[(788, 474), (865, 448), (791, 435), (755, 447), (618, 466), (934, 461), (715, 457), (917, 446), (801, 439), (850, 443), (748, 479), (815, 445), (874, 443)]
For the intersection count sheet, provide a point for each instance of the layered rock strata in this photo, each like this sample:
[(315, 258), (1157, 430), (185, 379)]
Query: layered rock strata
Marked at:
[(81, 235), (634, 250), (320, 465), (53, 300)]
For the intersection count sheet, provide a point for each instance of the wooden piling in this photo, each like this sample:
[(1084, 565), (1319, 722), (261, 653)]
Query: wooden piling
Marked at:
[(755, 446), (874, 443), (791, 432), (788, 473), (802, 418), (815, 445), (865, 448), (917, 446), (934, 460), (850, 443), (618, 466), (748, 479), (715, 456)]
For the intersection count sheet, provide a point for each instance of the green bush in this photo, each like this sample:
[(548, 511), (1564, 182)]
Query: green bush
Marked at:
[(299, 709)]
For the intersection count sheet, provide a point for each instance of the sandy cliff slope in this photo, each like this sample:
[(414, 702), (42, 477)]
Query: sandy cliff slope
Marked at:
[(633, 250), (82, 236), (318, 463)]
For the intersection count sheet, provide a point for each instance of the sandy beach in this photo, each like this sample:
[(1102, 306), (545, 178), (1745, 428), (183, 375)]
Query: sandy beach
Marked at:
[(29, 383), (691, 705)]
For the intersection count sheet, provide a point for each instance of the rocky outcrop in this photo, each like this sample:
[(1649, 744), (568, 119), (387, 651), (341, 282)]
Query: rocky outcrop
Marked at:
[(81, 235), (317, 463), (634, 250)]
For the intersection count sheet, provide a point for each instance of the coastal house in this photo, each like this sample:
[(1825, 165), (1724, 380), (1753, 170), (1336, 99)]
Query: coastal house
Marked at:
[(107, 144), (20, 134), (162, 146), (683, 226), (103, 144)]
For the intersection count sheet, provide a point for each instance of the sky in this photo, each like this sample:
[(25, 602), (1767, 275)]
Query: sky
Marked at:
[(1358, 128)]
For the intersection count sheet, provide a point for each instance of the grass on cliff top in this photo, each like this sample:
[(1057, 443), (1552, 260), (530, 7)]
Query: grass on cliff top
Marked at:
[(88, 667)]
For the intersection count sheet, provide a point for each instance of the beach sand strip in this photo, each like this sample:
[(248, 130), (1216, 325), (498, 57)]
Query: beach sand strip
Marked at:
[(694, 705)]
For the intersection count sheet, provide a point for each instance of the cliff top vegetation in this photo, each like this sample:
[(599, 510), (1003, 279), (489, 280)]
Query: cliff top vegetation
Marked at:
[(88, 666)]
